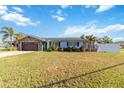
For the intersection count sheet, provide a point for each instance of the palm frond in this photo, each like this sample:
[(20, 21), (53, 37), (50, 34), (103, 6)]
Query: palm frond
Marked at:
[(11, 32), (5, 27), (3, 32), (5, 37)]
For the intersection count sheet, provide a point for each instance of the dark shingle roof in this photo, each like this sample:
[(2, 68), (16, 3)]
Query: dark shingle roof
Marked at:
[(63, 39), (56, 39)]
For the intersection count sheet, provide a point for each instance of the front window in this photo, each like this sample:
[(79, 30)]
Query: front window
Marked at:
[(72, 44)]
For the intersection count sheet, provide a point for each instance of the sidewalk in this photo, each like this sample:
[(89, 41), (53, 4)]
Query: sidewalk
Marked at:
[(12, 53)]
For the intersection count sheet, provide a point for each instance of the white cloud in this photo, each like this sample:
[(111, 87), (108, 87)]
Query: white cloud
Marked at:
[(28, 6), (18, 9), (118, 39), (92, 29), (66, 6), (87, 6), (90, 6), (103, 8), (92, 22), (59, 12), (16, 17), (59, 15), (3, 10), (59, 18)]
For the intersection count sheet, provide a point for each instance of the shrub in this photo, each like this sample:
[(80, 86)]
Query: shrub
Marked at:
[(82, 48), (73, 49), (53, 48), (49, 49), (60, 49), (69, 49)]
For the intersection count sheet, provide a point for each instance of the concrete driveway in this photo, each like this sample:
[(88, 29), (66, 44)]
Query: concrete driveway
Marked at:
[(12, 53)]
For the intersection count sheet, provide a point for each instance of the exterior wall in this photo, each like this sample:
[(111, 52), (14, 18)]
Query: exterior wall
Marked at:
[(40, 46), (80, 44)]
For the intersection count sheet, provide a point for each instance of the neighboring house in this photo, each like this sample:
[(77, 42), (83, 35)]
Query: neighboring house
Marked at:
[(31, 43)]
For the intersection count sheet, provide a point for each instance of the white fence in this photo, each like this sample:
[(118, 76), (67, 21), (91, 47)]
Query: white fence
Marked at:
[(108, 48)]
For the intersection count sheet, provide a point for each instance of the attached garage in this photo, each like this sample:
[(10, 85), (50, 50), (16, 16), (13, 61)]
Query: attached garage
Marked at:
[(29, 46), (29, 43)]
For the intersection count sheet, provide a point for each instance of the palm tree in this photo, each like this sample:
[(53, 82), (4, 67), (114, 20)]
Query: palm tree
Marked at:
[(90, 39), (18, 36), (100, 40), (107, 39), (7, 33)]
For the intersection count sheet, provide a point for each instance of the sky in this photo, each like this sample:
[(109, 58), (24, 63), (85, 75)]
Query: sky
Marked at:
[(65, 20)]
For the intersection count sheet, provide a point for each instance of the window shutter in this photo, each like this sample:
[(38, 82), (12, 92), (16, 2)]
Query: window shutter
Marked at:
[(67, 44), (59, 44)]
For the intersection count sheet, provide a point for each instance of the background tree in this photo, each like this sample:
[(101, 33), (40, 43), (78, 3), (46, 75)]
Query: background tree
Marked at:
[(107, 39), (91, 40), (100, 40), (18, 36)]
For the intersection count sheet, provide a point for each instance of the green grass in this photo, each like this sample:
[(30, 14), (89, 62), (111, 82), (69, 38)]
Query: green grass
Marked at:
[(63, 69)]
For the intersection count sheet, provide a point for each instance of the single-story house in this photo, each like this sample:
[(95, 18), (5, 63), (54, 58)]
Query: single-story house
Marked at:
[(32, 43)]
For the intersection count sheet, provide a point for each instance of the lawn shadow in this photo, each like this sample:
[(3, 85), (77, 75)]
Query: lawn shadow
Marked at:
[(81, 75)]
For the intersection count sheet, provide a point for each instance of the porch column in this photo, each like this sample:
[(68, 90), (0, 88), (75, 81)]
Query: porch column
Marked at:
[(48, 44), (20, 47)]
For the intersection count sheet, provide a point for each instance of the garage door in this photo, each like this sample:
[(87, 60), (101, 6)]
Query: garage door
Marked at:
[(30, 46)]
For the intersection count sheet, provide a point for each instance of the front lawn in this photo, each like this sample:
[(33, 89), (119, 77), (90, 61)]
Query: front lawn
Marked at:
[(63, 69)]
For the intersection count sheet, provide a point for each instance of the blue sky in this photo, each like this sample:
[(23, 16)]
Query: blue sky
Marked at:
[(65, 21)]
